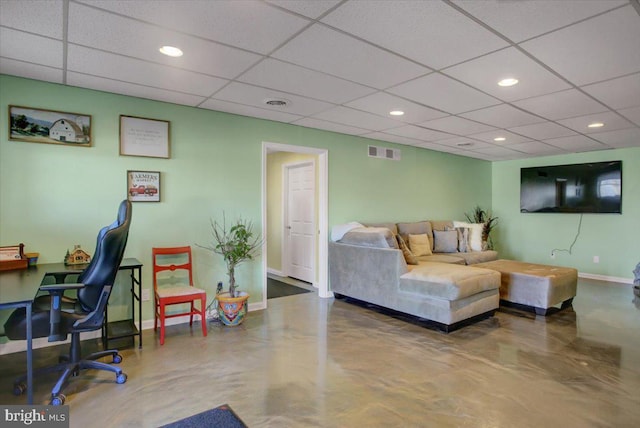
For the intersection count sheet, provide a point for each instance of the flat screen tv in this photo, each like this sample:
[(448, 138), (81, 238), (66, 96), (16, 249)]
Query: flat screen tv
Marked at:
[(578, 188)]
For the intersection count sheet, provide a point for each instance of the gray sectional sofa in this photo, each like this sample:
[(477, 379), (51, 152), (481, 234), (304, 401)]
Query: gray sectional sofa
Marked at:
[(444, 289)]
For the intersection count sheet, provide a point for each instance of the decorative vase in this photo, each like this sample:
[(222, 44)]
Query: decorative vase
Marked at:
[(232, 310)]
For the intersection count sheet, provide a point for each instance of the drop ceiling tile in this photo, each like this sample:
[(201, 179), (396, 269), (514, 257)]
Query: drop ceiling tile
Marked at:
[(462, 143), (113, 33), (537, 148), (599, 48), (256, 96), (249, 111), (542, 131), (456, 125), (357, 118), (633, 114), (382, 103), (521, 20), (43, 17), (22, 46), (421, 22), (443, 93), (251, 25), (502, 116), (311, 9), (131, 90), (439, 148), (620, 138), (510, 138), (393, 138), (310, 122), (125, 69), (618, 93), (499, 152), (485, 72), (418, 133), (290, 78), (561, 105), (30, 71), (338, 54), (481, 156), (611, 121), (576, 143)]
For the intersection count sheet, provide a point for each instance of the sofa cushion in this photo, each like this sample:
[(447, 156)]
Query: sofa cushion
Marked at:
[(441, 224), (420, 245), (473, 257), (448, 281), (475, 233), (415, 228), (379, 237), (445, 241), (391, 226), (406, 252), (443, 258)]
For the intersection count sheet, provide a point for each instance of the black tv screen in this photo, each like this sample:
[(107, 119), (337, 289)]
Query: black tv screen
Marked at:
[(578, 188)]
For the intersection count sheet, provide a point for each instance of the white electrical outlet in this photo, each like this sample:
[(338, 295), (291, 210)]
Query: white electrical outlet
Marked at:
[(553, 254), (146, 294), (596, 259)]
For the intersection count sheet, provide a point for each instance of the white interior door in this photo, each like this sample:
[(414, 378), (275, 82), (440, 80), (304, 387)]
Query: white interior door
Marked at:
[(299, 221)]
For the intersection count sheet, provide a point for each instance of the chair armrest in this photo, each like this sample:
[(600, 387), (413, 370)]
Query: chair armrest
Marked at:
[(61, 275), (56, 291)]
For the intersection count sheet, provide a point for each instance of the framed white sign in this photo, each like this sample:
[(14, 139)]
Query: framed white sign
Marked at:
[(144, 137)]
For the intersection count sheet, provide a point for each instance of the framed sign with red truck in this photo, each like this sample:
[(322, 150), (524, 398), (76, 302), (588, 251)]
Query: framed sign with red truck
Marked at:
[(143, 186)]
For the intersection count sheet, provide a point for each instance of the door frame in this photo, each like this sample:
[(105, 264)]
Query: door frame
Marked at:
[(285, 252), (323, 213)]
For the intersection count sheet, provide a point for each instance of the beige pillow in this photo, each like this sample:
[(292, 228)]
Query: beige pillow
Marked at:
[(406, 252), (420, 245)]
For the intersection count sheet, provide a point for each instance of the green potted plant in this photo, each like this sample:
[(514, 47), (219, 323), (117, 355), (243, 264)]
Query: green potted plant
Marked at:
[(236, 243), (478, 215)]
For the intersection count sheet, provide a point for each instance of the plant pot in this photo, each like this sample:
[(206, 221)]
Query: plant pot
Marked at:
[(232, 310)]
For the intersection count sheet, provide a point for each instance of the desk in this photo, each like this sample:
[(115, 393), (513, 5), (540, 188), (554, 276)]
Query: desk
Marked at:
[(18, 289)]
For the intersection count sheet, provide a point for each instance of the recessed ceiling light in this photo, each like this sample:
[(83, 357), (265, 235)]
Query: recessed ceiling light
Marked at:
[(499, 139), (396, 113), (508, 82), (171, 51), (595, 125)]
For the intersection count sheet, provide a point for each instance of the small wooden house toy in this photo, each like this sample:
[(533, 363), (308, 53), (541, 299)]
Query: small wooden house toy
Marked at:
[(77, 257)]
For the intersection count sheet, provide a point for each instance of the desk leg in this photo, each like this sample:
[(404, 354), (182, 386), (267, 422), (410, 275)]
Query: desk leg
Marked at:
[(29, 355)]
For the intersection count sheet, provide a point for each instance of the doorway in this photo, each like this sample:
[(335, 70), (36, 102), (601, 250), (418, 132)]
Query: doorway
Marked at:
[(320, 279)]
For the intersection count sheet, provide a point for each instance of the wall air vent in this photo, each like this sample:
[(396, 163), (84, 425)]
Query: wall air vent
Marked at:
[(384, 153)]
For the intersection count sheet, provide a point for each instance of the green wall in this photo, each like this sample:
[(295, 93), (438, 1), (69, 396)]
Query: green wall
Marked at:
[(52, 197), (614, 238)]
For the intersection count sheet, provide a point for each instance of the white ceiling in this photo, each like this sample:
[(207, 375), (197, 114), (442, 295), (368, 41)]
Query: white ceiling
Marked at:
[(343, 65)]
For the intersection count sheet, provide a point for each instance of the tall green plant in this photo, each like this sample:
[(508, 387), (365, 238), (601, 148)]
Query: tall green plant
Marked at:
[(236, 244), (478, 215)]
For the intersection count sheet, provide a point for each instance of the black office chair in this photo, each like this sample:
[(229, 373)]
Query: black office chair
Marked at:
[(86, 313)]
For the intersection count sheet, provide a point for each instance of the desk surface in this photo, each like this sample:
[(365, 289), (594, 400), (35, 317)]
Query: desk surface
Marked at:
[(22, 285)]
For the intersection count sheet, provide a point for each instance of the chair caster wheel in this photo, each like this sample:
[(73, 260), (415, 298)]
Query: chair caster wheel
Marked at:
[(121, 378), (19, 388), (58, 400), (117, 359)]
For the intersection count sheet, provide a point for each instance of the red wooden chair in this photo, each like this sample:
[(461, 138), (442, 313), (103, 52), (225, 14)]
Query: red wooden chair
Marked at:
[(173, 285)]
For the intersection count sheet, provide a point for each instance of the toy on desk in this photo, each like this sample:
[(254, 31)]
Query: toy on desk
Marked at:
[(77, 257), (12, 257)]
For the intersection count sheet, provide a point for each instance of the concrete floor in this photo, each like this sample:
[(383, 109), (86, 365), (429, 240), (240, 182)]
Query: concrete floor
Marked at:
[(311, 362)]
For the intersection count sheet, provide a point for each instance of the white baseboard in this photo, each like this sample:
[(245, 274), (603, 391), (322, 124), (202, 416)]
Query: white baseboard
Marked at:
[(605, 278), (275, 272), (21, 345)]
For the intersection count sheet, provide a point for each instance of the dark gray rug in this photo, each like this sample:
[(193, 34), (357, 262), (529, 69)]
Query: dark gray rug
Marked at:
[(277, 288), (220, 417)]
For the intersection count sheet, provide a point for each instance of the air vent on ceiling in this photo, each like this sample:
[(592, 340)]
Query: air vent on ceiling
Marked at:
[(277, 102), (384, 153)]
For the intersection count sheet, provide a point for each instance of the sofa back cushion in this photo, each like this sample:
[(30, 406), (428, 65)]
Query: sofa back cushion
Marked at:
[(379, 237), (415, 228), (391, 226)]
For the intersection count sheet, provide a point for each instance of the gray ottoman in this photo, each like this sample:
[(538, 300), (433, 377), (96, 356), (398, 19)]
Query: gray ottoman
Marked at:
[(540, 287)]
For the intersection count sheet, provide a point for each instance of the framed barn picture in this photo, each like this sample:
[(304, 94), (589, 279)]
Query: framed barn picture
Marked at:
[(49, 126)]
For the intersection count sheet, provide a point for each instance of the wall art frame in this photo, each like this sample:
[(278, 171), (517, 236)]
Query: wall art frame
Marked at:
[(143, 186), (35, 125), (144, 137)]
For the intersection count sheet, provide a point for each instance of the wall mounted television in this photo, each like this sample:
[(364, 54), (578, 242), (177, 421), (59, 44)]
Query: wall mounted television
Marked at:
[(578, 188)]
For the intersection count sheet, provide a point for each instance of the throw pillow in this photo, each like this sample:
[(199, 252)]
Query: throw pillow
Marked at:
[(475, 234), (338, 231), (379, 237), (445, 241), (463, 239), (406, 252), (420, 245)]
